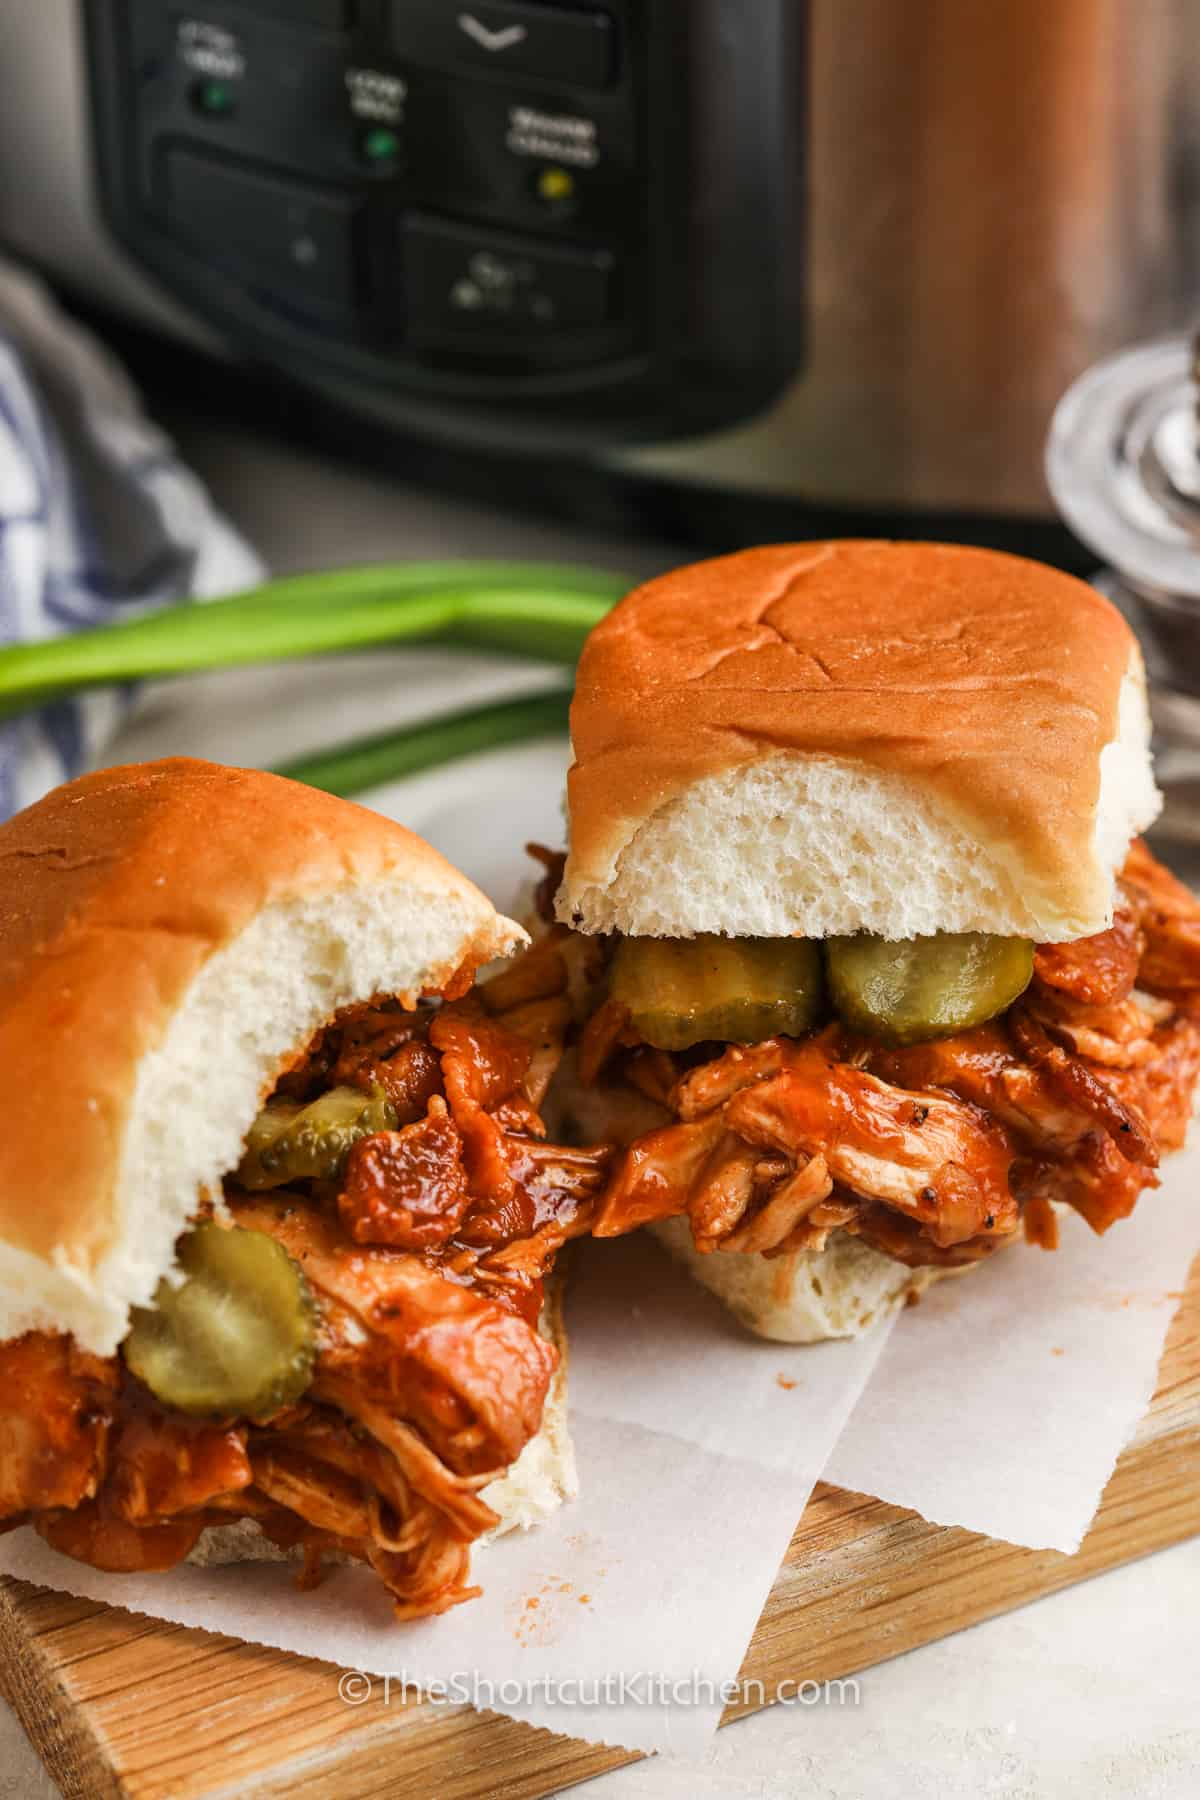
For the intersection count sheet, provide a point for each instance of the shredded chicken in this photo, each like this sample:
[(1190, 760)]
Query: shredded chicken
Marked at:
[(1095, 970), (427, 1255), (54, 1423), (1167, 915), (426, 1260), (935, 1154), (939, 1160)]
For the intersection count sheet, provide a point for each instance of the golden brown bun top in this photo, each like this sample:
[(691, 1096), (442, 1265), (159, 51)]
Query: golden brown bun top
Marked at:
[(990, 681), (115, 890)]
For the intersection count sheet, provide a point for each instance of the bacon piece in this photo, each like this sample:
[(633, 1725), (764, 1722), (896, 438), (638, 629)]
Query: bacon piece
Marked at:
[(406, 1188)]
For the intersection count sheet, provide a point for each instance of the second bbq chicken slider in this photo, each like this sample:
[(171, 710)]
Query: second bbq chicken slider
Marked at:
[(882, 974)]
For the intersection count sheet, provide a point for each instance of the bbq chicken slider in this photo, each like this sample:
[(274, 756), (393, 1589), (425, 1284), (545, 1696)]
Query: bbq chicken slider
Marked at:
[(882, 977), (275, 1207)]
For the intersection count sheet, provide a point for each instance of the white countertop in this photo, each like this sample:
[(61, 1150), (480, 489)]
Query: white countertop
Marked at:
[(1089, 1695)]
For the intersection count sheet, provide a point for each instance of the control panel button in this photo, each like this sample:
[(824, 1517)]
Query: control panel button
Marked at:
[(570, 46), (296, 238), (323, 15), (463, 280)]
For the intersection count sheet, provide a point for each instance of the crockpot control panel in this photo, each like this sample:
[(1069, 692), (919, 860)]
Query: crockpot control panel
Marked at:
[(464, 201)]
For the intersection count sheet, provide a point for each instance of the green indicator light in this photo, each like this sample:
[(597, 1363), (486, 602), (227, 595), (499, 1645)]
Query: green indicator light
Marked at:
[(215, 98), (381, 145)]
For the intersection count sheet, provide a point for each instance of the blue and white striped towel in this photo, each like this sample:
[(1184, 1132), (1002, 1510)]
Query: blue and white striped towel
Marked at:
[(99, 520)]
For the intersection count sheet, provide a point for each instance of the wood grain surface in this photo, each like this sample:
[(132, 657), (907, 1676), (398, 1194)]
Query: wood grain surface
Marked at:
[(120, 1705)]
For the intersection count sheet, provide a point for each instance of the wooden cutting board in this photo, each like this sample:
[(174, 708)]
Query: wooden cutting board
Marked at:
[(122, 1705)]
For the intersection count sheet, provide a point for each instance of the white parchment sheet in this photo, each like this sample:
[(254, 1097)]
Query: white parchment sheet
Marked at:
[(1002, 1402)]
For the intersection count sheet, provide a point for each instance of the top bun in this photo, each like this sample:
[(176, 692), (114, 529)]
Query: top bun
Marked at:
[(856, 736), (171, 934)]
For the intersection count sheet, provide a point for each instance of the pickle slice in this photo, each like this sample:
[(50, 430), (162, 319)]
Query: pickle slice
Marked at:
[(237, 1336), (928, 987), (684, 991), (289, 1142)]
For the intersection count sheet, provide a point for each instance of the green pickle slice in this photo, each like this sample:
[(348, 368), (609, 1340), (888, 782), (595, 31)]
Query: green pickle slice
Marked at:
[(290, 1142), (684, 991), (236, 1337), (928, 987)]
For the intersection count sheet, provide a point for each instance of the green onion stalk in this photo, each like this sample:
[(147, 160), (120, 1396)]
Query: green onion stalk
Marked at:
[(525, 609), (366, 763)]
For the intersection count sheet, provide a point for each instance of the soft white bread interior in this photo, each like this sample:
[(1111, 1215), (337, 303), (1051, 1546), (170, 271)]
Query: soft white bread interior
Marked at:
[(829, 738), (172, 935), (806, 1296), (543, 1476)]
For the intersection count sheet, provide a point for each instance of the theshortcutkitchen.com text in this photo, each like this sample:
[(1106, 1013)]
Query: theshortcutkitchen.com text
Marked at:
[(640, 1687)]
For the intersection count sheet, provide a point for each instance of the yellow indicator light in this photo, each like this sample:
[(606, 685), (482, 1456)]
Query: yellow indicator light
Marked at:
[(555, 185)]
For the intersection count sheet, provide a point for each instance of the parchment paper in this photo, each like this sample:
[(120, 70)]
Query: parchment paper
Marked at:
[(1004, 1399)]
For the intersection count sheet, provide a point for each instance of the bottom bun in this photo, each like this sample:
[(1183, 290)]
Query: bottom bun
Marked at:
[(536, 1485), (806, 1296)]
